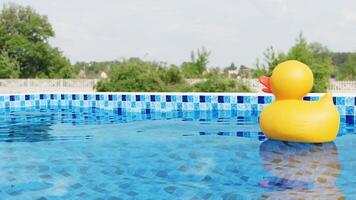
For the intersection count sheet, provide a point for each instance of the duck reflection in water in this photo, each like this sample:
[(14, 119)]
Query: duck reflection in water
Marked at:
[(300, 170)]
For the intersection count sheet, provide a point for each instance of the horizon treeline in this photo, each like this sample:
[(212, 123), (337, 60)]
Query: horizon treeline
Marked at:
[(26, 53)]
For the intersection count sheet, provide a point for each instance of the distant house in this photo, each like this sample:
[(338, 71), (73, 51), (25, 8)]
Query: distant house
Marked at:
[(233, 74)]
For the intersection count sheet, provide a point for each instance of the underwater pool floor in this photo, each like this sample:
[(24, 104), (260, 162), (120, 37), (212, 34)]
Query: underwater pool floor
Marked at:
[(95, 154)]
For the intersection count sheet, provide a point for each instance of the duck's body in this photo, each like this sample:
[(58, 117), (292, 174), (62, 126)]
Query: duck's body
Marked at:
[(289, 118), (301, 121)]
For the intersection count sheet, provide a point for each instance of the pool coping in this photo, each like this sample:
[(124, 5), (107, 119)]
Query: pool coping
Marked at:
[(180, 93), (148, 102)]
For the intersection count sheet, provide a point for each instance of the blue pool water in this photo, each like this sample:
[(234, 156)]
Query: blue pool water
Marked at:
[(96, 154)]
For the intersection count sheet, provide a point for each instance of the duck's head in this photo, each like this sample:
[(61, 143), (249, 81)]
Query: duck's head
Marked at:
[(290, 80)]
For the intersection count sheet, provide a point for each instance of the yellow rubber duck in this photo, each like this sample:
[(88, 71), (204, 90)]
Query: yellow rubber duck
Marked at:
[(289, 118)]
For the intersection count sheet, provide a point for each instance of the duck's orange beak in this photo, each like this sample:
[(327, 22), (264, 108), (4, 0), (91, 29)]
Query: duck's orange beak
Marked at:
[(264, 80)]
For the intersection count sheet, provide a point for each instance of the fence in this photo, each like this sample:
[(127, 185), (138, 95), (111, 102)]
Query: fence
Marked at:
[(334, 86), (88, 85), (47, 85), (342, 86)]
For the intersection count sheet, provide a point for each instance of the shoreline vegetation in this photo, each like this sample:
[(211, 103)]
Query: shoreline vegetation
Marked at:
[(26, 53)]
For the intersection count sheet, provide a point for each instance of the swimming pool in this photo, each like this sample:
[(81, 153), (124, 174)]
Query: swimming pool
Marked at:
[(60, 149)]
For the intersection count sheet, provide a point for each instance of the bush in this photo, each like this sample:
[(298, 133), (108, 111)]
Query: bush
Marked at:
[(217, 83), (133, 75), (171, 75), (242, 87), (9, 68), (197, 64)]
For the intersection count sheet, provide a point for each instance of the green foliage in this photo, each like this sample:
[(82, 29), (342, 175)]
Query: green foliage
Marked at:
[(316, 56), (340, 58), (272, 59), (322, 73), (133, 75), (259, 70), (347, 71), (24, 38), (213, 84), (177, 88), (213, 72), (9, 68), (216, 82), (242, 87), (171, 75), (197, 65), (231, 67), (173, 79), (93, 69)]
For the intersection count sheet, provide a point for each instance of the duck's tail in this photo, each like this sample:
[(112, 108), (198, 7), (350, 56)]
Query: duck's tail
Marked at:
[(327, 99)]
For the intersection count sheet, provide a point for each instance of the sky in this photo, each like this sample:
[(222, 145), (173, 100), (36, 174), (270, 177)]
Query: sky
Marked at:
[(236, 31)]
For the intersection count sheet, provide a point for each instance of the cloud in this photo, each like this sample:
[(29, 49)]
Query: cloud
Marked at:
[(233, 30)]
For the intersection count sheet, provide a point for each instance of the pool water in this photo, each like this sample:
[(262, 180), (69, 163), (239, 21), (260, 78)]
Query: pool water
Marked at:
[(95, 154)]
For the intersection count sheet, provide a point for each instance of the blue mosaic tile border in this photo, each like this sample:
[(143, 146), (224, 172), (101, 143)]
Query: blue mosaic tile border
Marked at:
[(164, 102)]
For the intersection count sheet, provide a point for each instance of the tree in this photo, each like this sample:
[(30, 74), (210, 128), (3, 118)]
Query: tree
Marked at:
[(231, 67), (24, 38), (133, 75), (259, 70), (315, 55), (173, 79), (9, 68), (172, 75), (272, 58), (197, 64), (217, 82), (340, 58), (348, 70)]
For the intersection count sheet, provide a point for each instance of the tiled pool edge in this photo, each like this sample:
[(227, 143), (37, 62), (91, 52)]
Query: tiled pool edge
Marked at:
[(138, 102)]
